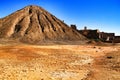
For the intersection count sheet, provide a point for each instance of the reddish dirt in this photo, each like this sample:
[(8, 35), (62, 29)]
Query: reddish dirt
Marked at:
[(59, 62)]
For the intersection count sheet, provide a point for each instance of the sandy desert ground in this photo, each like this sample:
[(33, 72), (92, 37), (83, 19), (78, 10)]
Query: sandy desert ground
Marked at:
[(59, 62)]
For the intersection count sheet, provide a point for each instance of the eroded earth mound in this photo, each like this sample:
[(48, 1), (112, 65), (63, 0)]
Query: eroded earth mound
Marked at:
[(33, 23)]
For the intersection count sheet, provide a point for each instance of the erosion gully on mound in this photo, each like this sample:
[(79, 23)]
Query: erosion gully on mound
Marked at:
[(59, 62), (34, 24)]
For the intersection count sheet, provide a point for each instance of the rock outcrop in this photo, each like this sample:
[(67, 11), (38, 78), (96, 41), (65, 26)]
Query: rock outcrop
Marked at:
[(33, 23)]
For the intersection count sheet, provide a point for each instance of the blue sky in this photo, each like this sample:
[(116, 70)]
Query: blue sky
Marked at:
[(95, 14)]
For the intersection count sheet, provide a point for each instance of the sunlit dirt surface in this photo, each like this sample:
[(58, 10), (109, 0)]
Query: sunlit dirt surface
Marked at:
[(59, 62)]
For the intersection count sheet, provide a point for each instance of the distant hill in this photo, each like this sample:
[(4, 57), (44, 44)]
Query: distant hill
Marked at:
[(33, 23)]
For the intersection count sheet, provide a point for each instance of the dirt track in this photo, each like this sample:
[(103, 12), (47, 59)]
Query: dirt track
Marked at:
[(59, 62)]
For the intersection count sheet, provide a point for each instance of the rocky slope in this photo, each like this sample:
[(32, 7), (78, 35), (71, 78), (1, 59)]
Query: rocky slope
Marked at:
[(33, 24)]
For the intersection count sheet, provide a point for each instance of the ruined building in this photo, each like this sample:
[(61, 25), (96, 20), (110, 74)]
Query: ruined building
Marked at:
[(106, 37), (73, 26), (96, 34), (91, 34), (117, 39)]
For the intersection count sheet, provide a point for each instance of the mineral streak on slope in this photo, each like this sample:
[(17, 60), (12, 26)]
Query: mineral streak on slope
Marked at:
[(33, 23)]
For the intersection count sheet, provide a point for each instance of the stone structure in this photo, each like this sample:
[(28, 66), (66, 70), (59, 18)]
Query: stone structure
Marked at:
[(73, 26), (109, 37), (91, 34), (96, 34), (117, 39)]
